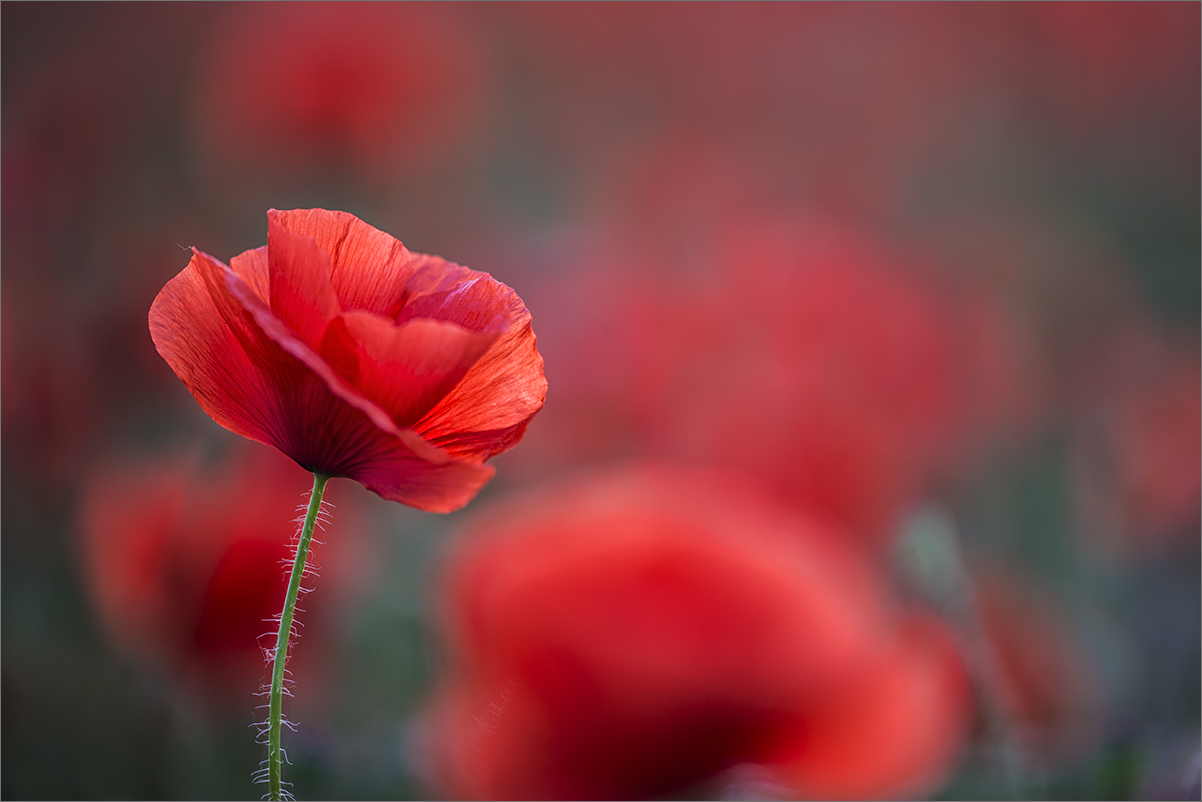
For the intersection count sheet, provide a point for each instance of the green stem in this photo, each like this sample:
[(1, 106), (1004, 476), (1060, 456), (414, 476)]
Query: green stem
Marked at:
[(281, 642), (934, 559)]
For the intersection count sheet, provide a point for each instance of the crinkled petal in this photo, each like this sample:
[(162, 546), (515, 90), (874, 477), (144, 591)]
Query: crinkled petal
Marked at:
[(300, 291), (372, 271), (489, 409), (251, 267), (368, 268), (447, 291), (192, 334), (255, 377), (401, 475), (360, 438), (406, 369)]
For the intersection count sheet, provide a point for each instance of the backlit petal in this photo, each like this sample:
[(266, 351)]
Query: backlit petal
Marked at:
[(192, 333), (398, 474), (447, 291), (409, 367), (488, 411), (336, 430), (333, 340), (300, 291), (368, 268), (251, 266)]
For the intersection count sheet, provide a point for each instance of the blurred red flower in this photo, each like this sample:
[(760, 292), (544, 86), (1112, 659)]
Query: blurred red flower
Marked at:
[(376, 87), (639, 634), (51, 391), (824, 364), (186, 566), (1138, 454), (895, 734), (355, 357), (842, 107)]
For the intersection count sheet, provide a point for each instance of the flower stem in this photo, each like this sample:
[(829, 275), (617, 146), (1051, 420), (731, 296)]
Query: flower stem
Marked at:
[(932, 556), (281, 641)]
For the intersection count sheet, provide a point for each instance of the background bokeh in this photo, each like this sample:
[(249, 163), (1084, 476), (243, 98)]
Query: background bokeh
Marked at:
[(893, 261)]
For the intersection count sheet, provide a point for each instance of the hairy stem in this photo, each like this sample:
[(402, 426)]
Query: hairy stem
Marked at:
[(281, 642)]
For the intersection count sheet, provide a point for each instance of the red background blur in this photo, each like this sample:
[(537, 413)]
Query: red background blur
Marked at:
[(877, 257)]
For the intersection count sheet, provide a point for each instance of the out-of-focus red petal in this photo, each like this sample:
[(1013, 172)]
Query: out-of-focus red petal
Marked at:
[(126, 515), (628, 636), (300, 291), (240, 595), (489, 410), (368, 267), (183, 561), (895, 733), (406, 369)]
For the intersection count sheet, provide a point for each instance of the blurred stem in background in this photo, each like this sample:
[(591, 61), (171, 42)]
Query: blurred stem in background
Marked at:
[(930, 555), (280, 656)]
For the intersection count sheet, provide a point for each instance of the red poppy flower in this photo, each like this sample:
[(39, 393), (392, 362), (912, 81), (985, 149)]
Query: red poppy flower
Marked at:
[(186, 567), (838, 372), (355, 357), (635, 636)]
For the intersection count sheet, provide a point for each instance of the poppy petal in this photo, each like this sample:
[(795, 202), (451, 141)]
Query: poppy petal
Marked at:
[(411, 366), (267, 349), (192, 334), (299, 270), (447, 291), (489, 410), (894, 734), (252, 267), (288, 362), (349, 435), (400, 475), (125, 515), (368, 268)]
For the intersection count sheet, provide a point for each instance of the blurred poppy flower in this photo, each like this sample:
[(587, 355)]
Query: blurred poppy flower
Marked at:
[(186, 566), (847, 124), (1157, 432), (378, 88), (1138, 460), (52, 395), (854, 747), (640, 634), (355, 357), (825, 365)]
